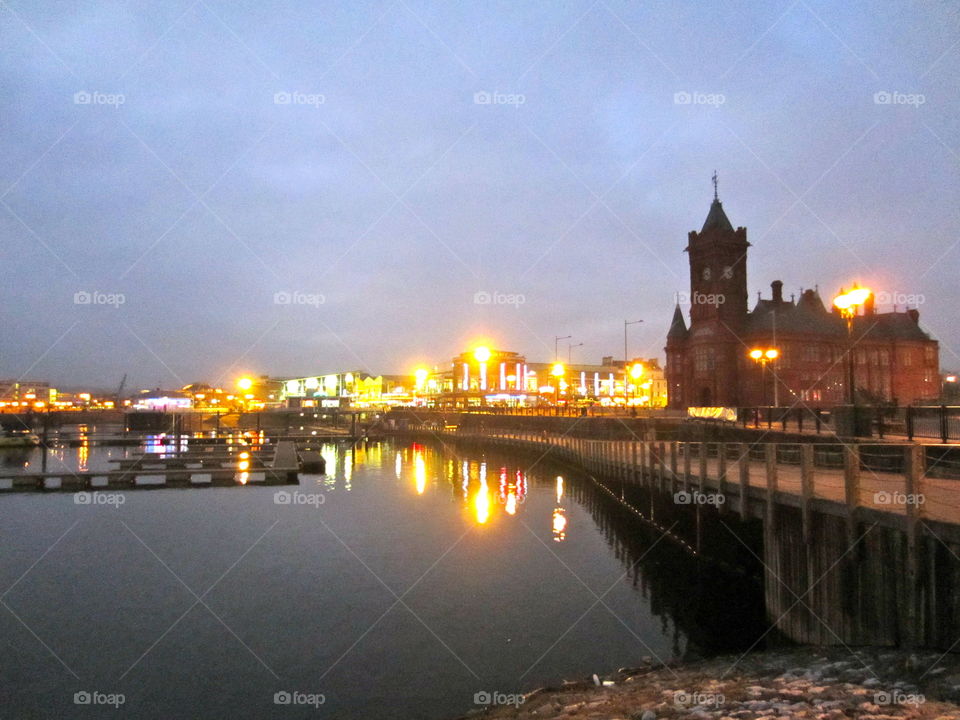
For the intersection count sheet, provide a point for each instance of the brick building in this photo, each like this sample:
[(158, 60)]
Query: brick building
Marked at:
[(708, 363)]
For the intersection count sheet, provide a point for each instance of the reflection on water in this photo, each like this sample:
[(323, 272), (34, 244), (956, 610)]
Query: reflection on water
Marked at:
[(470, 530)]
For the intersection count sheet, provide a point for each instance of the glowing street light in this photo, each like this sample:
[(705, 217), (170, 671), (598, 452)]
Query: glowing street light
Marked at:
[(636, 370), (481, 354), (762, 356), (244, 383), (420, 375), (848, 303)]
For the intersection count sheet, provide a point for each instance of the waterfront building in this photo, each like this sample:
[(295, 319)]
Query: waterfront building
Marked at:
[(800, 347)]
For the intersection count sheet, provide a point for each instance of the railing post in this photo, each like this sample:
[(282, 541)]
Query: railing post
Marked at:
[(661, 464), (686, 466), (703, 465), (806, 488), (744, 480), (673, 466), (914, 467), (851, 484), (722, 473), (771, 458), (633, 462), (944, 425), (910, 423)]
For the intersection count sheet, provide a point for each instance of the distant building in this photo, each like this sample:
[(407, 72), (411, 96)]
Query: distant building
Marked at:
[(708, 362)]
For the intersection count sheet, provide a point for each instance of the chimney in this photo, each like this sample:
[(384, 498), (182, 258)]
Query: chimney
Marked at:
[(914, 315), (777, 287)]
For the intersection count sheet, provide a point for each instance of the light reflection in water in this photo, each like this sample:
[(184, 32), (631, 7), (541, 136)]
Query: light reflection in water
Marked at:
[(420, 472), (398, 465), (559, 516)]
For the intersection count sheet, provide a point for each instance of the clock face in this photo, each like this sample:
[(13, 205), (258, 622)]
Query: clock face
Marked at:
[(706, 273)]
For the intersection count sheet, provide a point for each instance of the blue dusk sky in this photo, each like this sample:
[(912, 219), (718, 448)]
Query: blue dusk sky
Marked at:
[(194, 189)]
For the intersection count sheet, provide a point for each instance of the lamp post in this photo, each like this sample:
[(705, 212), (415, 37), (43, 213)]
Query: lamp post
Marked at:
[(558, 372), (626, 379), (556, 345), (762, 356), (848, 303), (570, 350)]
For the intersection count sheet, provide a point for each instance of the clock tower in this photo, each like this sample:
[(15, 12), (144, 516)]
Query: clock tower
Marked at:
[(714, 348)]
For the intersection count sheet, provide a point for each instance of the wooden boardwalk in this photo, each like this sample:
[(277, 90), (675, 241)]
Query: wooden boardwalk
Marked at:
[(276, 464)]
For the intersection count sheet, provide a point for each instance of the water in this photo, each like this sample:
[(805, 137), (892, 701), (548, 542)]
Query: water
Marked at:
[(425, 575)]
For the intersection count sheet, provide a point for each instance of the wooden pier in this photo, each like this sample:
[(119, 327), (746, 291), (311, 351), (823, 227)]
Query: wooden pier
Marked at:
[(214, 465), (859, 546)]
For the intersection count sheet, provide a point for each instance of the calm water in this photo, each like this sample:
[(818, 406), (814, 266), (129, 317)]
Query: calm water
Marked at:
[(425, 576)]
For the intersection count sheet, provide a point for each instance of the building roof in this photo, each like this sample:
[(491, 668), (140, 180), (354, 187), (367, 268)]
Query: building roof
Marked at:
[(809, 316), (716, 218), (678, 328)]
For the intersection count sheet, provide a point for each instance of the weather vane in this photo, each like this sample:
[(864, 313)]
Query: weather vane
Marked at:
[(715, 185)]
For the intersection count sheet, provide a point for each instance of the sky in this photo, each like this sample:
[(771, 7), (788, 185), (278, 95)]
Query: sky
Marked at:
[(195, 190)]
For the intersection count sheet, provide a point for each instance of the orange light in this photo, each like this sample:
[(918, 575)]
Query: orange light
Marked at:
[(557, 370), (756, 354), (772, 353), (481, 354)]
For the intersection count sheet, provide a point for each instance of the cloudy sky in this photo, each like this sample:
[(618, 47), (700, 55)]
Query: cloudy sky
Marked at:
[(194, 189)]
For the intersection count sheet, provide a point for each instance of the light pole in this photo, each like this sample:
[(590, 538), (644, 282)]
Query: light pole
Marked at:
[(848, 303), (762, 356), (570, 349), (626, 379), (556, 345)]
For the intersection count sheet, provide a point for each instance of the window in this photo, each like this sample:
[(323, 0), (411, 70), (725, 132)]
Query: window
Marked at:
[(811, 353), (930, 355)]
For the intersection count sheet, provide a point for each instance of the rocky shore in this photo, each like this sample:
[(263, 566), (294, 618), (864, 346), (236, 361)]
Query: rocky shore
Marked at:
[(820, 684)]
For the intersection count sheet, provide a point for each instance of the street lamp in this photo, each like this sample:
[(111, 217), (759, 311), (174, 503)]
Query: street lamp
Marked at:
[(558, 372), (482, 355), (626, 324), (848, 303), (636, 372), (762, 356), (570, 350), (556, 345)]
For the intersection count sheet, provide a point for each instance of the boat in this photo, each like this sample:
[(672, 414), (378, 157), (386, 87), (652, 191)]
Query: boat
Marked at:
[(18, 439)]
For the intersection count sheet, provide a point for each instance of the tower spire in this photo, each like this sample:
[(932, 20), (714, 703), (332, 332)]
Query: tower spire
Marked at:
[(715, 197)]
